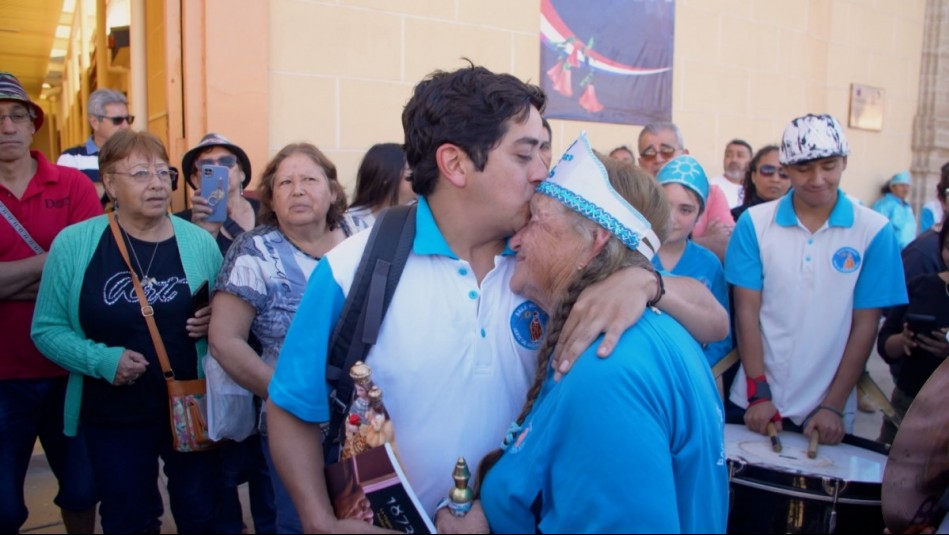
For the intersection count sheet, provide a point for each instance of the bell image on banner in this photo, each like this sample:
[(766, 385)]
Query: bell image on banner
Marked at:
[(607, 61)]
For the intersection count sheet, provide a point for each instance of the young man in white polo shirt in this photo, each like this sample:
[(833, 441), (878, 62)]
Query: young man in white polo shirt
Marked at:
[(455, 354), (811, 272)]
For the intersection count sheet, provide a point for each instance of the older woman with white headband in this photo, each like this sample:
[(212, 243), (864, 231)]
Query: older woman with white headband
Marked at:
[(626, 444)]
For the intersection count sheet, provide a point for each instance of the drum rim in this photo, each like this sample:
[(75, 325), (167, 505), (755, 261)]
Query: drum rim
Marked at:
[(769, 479)]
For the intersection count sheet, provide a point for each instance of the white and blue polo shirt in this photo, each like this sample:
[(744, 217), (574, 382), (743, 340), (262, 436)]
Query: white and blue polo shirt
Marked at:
[(810, 284), (454, 358)]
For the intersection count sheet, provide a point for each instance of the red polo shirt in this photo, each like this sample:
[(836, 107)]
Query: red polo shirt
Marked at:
[(55, 198)]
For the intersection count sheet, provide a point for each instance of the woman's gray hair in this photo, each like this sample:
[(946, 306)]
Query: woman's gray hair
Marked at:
[(100, 98)]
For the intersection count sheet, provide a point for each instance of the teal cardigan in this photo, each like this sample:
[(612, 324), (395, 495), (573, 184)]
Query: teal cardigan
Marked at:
[(57, 332)]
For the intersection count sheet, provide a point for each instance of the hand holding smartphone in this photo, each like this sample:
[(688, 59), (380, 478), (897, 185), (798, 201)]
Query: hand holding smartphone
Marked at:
[(921, 324), (214, 183)]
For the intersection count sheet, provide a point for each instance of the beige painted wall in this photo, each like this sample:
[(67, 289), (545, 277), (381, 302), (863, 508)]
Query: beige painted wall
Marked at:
[(340, 71)]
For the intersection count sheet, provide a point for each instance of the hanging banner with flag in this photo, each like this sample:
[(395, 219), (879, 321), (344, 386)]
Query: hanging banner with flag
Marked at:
[(607, 61)]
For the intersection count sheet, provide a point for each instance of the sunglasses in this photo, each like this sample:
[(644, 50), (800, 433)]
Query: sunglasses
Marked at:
[(223, 161), (119, 120), (770, 170), (650, 153)]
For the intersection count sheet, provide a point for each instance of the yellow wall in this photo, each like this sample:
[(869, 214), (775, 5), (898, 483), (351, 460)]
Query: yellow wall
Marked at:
[(341, 71), (225, 75)]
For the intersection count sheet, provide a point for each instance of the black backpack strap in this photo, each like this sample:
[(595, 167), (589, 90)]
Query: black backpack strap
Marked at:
[(381, 265)]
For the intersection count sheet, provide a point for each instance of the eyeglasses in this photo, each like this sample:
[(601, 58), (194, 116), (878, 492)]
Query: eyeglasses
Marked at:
[(118, 120), (143, 177), (224, 161), (650, 153), (770, 170), (18, 117)]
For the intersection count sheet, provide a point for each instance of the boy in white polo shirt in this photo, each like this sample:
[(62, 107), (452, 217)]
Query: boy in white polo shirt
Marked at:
[(811, 272)]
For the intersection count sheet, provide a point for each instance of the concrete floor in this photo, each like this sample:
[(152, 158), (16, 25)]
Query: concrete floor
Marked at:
[(41, 485)]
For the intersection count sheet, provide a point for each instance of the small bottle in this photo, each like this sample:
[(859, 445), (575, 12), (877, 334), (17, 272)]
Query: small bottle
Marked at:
[(461, 496)]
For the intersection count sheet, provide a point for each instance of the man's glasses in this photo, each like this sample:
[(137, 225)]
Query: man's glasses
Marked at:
[(118, 120), (143, 177), (650, 153), (770, 170), (18, 117), (224, 161)]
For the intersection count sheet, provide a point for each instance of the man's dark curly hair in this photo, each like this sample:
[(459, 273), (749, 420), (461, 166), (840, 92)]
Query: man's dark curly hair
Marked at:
[(469, 108)]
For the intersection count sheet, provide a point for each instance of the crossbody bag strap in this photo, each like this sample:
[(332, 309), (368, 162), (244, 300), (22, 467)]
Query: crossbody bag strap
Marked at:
[(147, 311), (15, 223)]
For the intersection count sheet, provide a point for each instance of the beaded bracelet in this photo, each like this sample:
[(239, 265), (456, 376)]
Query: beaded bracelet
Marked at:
[(825, 407), (828, 408)]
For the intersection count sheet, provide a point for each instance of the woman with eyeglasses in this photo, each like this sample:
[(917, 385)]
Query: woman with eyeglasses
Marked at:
[(90, 321), (265, 273), (764, 180)]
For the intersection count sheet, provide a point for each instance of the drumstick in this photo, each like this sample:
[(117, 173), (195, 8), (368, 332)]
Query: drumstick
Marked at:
[(812, 445), (775, 439)]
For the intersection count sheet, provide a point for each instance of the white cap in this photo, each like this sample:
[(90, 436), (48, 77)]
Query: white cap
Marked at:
[(580, 182), (812, 137)]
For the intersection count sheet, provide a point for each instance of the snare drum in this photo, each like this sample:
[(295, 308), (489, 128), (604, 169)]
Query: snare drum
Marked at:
[(837, 492)]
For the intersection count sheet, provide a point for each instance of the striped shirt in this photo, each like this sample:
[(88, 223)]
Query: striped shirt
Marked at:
[(84, 157)]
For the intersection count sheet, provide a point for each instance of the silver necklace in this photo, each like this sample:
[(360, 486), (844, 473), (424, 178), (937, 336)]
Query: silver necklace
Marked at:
[(147, 281)]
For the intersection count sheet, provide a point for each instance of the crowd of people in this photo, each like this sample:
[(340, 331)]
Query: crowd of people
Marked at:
[(571, 311)]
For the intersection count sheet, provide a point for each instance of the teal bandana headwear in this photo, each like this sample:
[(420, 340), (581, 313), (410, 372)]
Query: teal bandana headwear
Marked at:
[(687, 171)]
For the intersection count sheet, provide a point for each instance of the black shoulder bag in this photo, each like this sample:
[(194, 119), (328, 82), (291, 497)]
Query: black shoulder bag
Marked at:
[(381, 265)]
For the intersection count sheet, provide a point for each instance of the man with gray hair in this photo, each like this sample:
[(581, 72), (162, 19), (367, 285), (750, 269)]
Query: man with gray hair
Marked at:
[(662, 141), (108, 112)]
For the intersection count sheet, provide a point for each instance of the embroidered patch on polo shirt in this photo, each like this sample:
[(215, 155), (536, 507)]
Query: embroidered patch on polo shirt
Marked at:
[(528, 323), (846, 260), (519, 443)]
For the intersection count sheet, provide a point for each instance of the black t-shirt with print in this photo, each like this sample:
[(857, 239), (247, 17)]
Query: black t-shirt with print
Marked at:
[(110, 313)]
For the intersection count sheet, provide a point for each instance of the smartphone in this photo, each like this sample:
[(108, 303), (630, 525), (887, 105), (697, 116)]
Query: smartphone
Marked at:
[(201, 298), (921, 323), (214, 188)]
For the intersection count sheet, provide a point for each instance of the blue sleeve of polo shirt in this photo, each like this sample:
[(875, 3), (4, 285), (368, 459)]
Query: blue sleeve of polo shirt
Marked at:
[(743, 257), (926, 219), (881, 282), (299, 383), (715, 351), (884, 206)]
